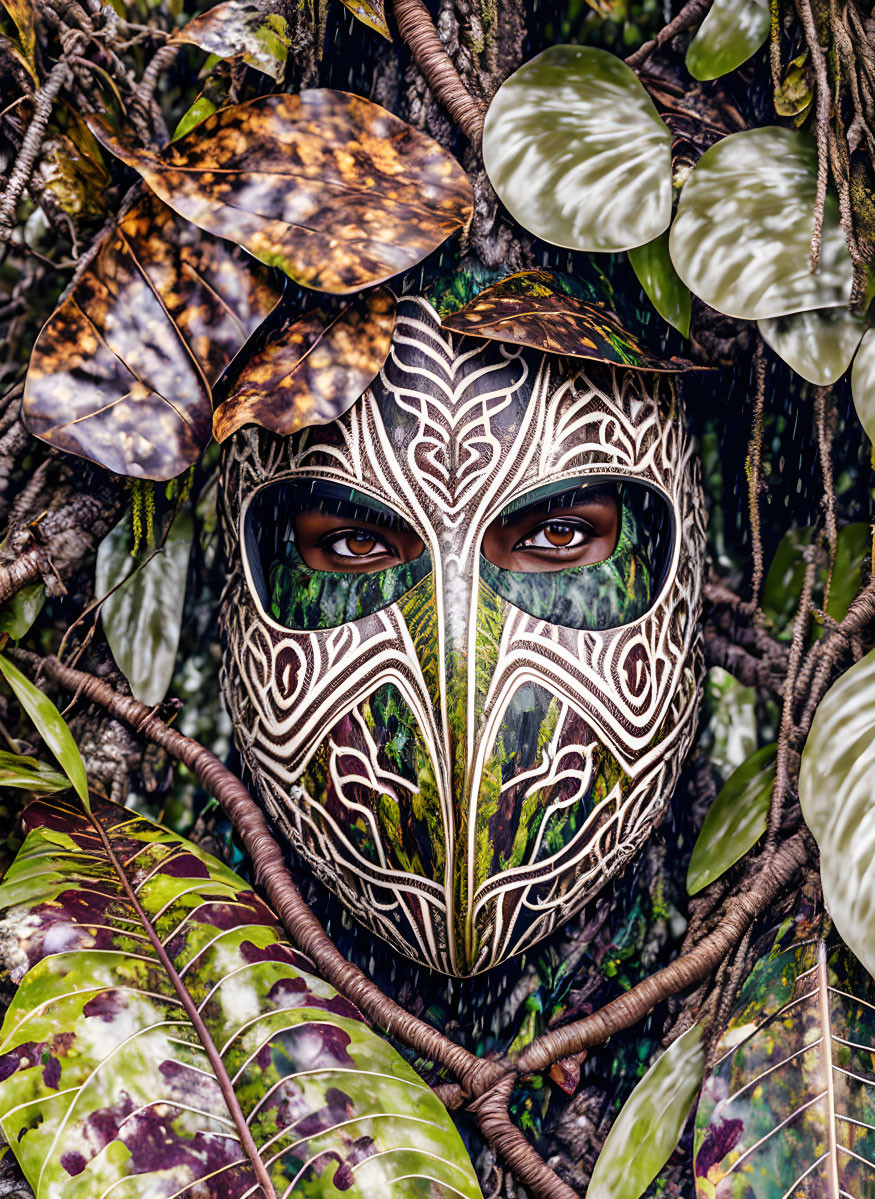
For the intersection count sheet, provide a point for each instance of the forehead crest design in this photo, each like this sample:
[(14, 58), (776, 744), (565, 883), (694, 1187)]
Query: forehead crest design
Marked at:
[(462, 773)]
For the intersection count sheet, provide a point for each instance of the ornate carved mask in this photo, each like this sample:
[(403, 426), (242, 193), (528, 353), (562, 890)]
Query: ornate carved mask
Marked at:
[(464, 717)]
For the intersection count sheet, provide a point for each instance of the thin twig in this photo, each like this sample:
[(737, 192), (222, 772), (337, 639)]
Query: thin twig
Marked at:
[(754, 470), (818, 60), (693, 12), (43, 101)]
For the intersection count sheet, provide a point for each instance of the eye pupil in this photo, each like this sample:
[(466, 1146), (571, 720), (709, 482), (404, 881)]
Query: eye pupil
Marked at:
[(559, 535)]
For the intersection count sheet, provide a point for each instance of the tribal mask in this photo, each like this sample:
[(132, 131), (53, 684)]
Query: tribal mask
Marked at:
[(462, 750)]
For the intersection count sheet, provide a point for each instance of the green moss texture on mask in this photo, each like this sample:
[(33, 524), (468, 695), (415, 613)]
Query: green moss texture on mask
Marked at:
[(304, 598), (600, 595)]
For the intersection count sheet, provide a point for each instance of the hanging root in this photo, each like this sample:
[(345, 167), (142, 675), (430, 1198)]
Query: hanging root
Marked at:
[(753, 467)]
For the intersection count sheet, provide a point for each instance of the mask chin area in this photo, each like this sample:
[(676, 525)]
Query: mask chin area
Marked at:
[(626, 530), (309, 545)]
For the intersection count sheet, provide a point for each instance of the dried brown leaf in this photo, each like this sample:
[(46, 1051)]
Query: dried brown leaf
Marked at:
[(254, 30), (121, 371), (332, 189), (532, 309), (307, 370)]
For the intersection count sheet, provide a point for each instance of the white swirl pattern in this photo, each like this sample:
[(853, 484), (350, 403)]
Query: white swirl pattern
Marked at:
[(450, 433)]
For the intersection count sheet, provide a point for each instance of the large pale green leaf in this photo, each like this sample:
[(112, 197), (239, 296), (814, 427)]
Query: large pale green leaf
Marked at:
[(819, 344), (789, 1106), (117, 931), (732, 31), (736, 820), (655, 270), (863, 384), (742, 236), (577, 152), (50, 725), (837, 793), (29, 774), (651, 1121), (143, 619)]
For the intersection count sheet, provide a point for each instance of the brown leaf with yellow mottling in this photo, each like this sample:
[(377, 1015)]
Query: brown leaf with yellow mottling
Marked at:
[(371, 13), (532, 309), (254, 30), (307, 369), (332, 189), (121, 371)]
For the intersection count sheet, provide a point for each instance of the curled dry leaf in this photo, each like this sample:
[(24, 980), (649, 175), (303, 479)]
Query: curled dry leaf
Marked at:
[(332, 189), (254, 30), (165, 1033), (306, 370), (371, 13), (121, 371), (532, 309)]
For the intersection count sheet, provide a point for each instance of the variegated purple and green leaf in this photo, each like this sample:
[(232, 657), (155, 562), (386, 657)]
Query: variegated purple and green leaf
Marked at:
[(165, 1040), (789, 1106)]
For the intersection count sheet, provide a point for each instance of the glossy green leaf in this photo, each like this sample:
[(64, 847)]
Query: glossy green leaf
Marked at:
[(742, 236), (736, 820), (789, 1106), (19, 770), (577, 152), (837, 794), (818, 345), (110, 1086), (17, 616), (731, 730), (863, 383), (254, 30), (202, 108), (650, 1123), (732, 31), (655, 270), (50, 725), (143, 619)]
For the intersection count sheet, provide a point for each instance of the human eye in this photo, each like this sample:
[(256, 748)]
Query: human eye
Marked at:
[(556, 536), (364, 545)]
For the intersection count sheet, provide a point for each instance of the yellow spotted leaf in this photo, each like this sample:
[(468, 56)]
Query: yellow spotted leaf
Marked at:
[(308, 369), (332, 189), (371, 13), (121, 372)]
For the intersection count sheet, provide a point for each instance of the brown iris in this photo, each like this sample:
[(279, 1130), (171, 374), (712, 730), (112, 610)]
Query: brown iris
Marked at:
[(559, 535), (360, 543)]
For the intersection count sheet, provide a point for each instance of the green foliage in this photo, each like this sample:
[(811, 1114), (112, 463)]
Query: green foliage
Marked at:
[(732, 31), (742, 236), (818, 344), (789, 1102), (19, 613), (835, 791), (651, 1121), (863, 384), (655, 270), (29, 774), (50, 725), (109, 1079), (142, 620), (786, 573), (735, 821), (577, 152)]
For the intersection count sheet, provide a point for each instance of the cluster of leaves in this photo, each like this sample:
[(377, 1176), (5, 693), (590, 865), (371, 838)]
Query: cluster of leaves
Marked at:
[(581, 125)]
